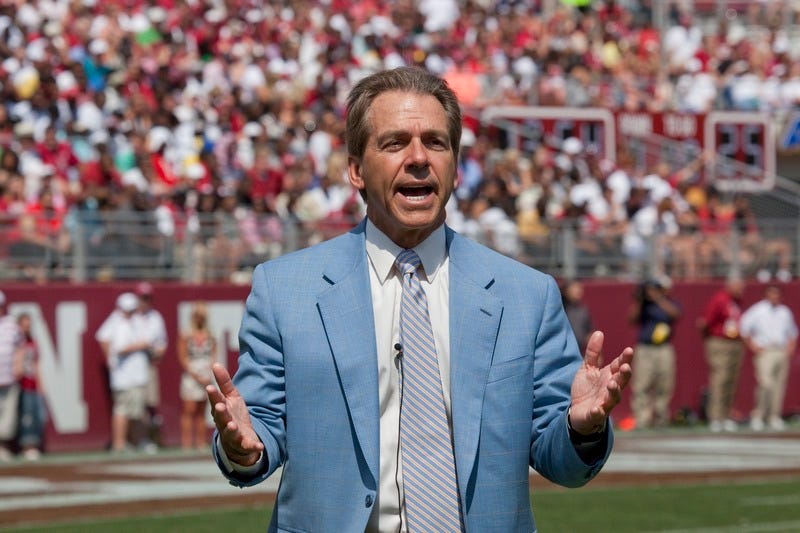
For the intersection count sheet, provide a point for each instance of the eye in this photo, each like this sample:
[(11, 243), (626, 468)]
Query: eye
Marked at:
[(393, 144), (437, 143)]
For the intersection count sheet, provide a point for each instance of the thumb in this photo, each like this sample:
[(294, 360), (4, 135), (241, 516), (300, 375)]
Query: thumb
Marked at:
[(594, 348)]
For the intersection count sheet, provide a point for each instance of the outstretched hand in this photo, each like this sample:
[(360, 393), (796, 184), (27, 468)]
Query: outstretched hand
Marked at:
[(228, 408), (595, 390)]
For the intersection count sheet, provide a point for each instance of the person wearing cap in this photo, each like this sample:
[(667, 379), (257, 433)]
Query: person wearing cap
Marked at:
[(154, 330), (11, 345), (654, 312), (125, 346)]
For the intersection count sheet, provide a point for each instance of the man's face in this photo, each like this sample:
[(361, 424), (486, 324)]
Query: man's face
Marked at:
[(773, 295), (408, 169)]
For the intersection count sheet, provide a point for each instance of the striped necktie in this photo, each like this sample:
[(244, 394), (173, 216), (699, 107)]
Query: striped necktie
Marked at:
[(429, 477)]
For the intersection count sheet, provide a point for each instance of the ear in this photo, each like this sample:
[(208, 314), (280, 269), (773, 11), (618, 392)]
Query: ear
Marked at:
[(354, 173)]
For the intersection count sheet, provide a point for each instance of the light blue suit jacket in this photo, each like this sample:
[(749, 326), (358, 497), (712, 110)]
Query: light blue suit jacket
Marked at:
[(308, 372)]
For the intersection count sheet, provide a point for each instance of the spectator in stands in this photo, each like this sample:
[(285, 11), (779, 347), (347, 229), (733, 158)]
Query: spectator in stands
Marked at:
[(197, 351), (769, 330), (262, 232), (58, 154), (125, 345), (650, 235), (724, 351), (154, 330), (11, 346), (32, 411), (716, 217), (490, 225), (655, 313), (756, 248)]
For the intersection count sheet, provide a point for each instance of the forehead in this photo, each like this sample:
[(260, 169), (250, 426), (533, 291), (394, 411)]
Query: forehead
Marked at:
[(405, 110)]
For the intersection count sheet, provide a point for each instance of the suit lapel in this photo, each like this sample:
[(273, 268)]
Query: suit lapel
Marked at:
[(475, 316), (346, 311)]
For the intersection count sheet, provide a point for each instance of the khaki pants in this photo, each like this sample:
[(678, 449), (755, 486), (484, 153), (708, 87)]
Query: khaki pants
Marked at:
[(9, 411), (153, 393), (724, 358), (772, 370), (653, 384)]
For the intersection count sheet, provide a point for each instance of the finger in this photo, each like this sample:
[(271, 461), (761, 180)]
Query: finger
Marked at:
[(594, 348), (239, 443), (214, 395), (625, 357), (223, 379), (623, 376), (222, 417)]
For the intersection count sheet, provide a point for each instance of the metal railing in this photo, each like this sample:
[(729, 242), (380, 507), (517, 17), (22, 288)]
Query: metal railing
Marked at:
[(126, 246)]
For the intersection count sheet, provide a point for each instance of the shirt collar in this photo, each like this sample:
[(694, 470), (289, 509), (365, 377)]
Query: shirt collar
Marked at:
[(382, 252)]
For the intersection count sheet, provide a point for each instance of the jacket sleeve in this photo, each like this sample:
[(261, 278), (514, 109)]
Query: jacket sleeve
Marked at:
[(557, 359), (260, 378)]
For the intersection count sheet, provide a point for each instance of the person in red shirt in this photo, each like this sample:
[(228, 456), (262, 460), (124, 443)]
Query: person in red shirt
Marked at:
[(724, 351), (33, 414), (58, 154)]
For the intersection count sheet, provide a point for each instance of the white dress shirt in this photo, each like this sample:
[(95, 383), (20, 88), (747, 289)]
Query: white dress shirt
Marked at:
[(386, 286)]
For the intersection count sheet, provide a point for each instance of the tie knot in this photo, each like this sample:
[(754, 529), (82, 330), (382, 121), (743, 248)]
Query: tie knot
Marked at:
[(408, 261)]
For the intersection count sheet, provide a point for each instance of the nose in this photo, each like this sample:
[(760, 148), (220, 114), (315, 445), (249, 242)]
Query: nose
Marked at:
[(417, 154)]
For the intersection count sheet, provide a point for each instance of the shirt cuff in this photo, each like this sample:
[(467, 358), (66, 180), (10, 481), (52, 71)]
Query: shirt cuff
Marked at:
[(232, 467), (590, 448)]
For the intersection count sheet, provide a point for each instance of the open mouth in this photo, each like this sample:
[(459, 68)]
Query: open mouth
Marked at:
[(416, 193)]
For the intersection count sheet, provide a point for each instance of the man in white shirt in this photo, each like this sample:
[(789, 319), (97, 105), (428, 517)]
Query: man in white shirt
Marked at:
[(329, 353), (769, 330), (125, 347), (10, 357)]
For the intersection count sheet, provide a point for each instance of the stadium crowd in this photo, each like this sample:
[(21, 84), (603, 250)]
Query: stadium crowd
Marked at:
[(224, 119)]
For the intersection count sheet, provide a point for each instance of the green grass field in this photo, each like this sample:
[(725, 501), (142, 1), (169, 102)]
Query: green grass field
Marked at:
[(707, 508)]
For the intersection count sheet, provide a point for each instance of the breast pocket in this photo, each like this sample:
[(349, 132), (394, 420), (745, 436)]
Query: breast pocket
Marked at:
[(519, 366)]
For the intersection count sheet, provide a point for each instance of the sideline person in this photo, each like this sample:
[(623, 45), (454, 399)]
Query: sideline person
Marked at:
[(405, 377), (724, 351), (769, 330), (11, 345), (197, 351), (32, 410), (125, 346), (655, 312), (578, 313)]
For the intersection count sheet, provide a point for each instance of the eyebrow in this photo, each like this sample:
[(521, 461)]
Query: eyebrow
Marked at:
[(405, 133)]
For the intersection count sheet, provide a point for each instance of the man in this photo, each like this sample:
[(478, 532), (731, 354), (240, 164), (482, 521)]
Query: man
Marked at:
[(11, 344), (152, 324), (724, 351), (654, 312), (386, 416), (123, 342), (770, 332)]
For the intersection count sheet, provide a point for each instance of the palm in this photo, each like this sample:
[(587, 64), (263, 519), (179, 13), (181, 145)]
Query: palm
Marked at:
[(597, 390), (238, 438)]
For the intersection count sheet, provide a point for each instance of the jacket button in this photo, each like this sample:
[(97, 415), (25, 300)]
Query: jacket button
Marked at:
[(368, 500)]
